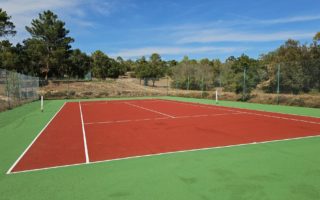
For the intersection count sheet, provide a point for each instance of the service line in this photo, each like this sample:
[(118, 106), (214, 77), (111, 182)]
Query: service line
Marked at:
[(149, 110), (84, 135)]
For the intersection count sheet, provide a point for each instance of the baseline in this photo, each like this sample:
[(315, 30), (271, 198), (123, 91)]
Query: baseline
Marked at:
[(169, 153)]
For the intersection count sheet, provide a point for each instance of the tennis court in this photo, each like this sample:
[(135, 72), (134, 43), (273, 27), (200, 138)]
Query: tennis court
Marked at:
[(100, 131)]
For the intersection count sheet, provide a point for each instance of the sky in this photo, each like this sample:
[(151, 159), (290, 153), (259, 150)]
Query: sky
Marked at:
[(214, 29)]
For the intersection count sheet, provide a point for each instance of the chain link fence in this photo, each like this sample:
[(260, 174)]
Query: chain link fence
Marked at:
[(17, 89), (288, 83)]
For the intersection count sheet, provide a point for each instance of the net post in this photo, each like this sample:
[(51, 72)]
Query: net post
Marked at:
[(41, 103), (216, 96)]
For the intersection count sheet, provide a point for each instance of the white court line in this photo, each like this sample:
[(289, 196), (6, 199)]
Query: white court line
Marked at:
[(129, 120), (209, 115), (168, 153), (33, 141), (115, 101), (149, 110), (84, 136), (285, 118), (212, 106), (94, 103), (159, 118), (251, 113), (202, 105)]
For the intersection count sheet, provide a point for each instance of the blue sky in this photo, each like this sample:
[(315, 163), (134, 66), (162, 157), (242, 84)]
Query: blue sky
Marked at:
[(198, 29)]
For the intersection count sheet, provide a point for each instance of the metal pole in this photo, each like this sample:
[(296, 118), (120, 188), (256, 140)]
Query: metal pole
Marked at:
[(8, 88), (278, 84), (188, 82), (244, 84), (202, 87), (216, 96), (167, 86)]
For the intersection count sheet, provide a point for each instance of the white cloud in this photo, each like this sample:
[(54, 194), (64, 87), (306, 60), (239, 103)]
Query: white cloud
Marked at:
[(108, 7), (146, 51), (207, 36), (104, 8), (220, 23), (23, 11), (239, 30), (293, 19), (17, 7)]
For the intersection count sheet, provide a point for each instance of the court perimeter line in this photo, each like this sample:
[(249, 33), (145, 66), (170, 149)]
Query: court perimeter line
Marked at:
[(149, 110), (33, 141), (84, 136), (285, 118), (245, 112), (159, 118), (168, 153)]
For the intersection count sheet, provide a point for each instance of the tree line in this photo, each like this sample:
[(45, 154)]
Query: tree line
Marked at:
[(48, 54)]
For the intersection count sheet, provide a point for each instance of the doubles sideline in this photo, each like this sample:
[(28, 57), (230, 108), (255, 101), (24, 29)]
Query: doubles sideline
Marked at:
[(84, 136), (33, 141), (244, 112)]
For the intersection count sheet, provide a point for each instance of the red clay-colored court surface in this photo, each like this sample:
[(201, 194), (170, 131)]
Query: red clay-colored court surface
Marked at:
[(99, 131)]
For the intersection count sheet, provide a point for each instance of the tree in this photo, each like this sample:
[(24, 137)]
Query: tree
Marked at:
[(6, 26), (115, 69), (152, 69), (34, 49), (316, 38), (232, 74), (315, 56), (217, 71), (50, 36), (122, 66), (157, 68), (7, 55), (103, 66), (79, 64), (142, 69), (296, 74), (100, 64)]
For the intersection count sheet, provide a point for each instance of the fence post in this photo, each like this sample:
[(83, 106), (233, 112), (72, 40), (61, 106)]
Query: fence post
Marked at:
[(244, 84), (167, 85), (188, 83), (8, 89), (68, 88), (20, 86), (202, 87), (278, 83)]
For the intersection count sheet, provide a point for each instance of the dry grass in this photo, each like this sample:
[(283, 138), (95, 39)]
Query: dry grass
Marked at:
[(304, 100), (132, 87)]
